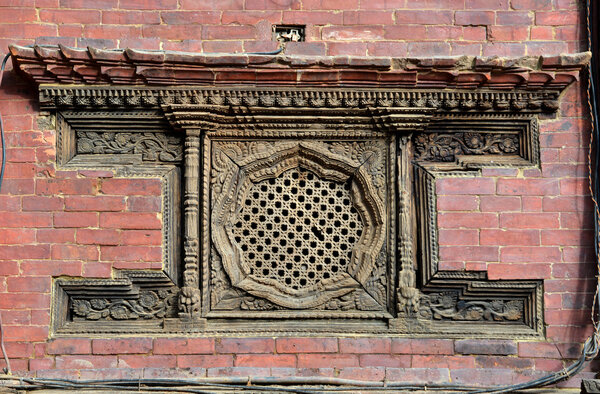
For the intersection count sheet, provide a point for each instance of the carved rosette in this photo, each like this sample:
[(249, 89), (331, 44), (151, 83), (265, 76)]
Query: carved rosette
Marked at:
[(239, 167)]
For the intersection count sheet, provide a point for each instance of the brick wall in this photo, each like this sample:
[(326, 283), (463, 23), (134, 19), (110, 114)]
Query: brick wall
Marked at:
[(513, 223)]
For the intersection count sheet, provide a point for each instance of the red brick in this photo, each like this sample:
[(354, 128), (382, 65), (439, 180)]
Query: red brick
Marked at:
[(474, 18), (75, 219), (567, 238), (65, 186), (368, 18), (25, 333), (9, 203), (148, 4), (364, 345), (9, 268), (509, 237), (518, 271), (535, 187), (24, 219), (424, 49), (28, 284), (19, 349), (191, 17), (418, 375), (38, 203), (24, 252), (307, 360), (529, 220), (111, 31), (353, 33), (184, 346), (130, 220), (457, 203), (508, 33), (70, 346), (538, 350), (469, 253), (206, 361), (145, 361), (130, 18), (85, 362), (97, 237), (95, 203), (131, 187), (130, 253), (17, 236), (405, 32), (541, 33), (499, 203), (519, 19), (265, 360), (486, 4), (252, 17), (467, 220), (423, 17), (246, 345), (228, 32), (55, 235), (306, 345), (142, 237), (330, 4), (477, 346), (17, 15), (18, 186), (384, 360), (74, 252), (435, 4), (474, 33), (272, 4), (70, 16), (51, 268), (24, 300), (452, 362), (346, 48), (556, 18), (20, 170), (121, 346), (465, 186), (422, 346), (458, 237), (537, 254), (503, 49), (531, 4)]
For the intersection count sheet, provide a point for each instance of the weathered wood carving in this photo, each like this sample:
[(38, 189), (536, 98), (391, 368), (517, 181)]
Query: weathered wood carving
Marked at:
[(304, 205)]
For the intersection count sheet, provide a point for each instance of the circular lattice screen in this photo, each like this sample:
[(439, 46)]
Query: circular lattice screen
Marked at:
[(297, 229)]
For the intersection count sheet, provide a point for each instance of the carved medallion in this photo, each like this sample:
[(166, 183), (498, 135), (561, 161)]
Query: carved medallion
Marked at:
[(299, 223)]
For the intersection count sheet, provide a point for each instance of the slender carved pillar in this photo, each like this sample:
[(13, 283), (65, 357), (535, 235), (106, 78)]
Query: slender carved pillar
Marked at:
[(408, 294), (189, 301)]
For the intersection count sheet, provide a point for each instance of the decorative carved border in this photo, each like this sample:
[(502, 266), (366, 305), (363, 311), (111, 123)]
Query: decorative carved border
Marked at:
[(341, 114)]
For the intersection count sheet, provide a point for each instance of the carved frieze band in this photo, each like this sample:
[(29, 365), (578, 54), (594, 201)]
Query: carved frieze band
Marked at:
[(525, 101)]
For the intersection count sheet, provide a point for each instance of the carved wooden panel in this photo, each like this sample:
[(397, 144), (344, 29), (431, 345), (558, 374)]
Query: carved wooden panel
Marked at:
[(298, 226), (307, 211)]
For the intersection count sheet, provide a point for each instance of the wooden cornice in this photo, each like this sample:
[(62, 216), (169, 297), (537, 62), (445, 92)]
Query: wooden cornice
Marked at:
[(93, 66)]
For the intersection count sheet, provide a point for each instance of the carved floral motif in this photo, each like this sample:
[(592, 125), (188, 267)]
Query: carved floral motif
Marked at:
[(150, 305), (448, 306), (446, 146), (152, 146)]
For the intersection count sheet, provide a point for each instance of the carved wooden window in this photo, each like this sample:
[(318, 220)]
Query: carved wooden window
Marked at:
[(306, 210)]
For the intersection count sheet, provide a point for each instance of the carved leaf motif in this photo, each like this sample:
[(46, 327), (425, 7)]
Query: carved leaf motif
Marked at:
[(448, 306), (446, 146), (150, 305), (152, 146)]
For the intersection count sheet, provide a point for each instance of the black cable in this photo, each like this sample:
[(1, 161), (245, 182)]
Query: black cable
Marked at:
[(2, 125)]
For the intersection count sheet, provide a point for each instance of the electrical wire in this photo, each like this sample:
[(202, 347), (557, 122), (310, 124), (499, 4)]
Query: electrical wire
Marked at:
[(2, 166)]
